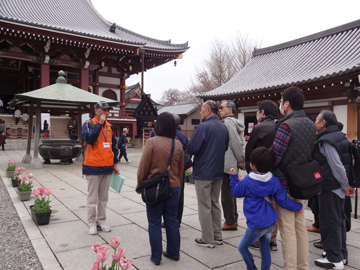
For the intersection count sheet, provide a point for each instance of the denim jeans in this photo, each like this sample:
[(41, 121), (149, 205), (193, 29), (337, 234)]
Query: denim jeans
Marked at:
[(250, 236), (167, 209)]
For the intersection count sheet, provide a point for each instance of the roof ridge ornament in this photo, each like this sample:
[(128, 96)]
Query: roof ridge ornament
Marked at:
[(61, 78), (112, 28)]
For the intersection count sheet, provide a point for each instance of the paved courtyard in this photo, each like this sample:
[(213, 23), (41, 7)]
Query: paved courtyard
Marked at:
[(65, 243)]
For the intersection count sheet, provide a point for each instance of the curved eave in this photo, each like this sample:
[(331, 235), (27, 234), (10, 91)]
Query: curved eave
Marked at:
[(280, 86), (94, 37)]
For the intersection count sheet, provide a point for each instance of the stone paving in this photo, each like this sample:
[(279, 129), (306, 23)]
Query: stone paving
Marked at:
[(65, 243)]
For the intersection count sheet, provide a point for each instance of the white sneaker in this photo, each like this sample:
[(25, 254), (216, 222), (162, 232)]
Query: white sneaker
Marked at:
[(324, 263), (128, 161), (105, 228), (93, 229)]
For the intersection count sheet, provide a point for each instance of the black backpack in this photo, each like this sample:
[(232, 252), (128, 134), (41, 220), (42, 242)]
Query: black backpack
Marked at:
[(354, 180)]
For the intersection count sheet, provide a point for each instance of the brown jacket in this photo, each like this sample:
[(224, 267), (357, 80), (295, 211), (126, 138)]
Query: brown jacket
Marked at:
[(155, 159)]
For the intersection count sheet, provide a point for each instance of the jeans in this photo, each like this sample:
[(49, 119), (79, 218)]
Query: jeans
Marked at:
[(167, 209), (250, 236)]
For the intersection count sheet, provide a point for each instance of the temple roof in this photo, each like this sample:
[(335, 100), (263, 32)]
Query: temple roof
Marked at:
[(327, 54), (180, 109), (77, 17)]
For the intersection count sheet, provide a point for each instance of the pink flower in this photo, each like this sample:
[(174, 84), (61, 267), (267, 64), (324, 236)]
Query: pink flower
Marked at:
[(102, 254), (30, 180), (118, 254), (22, 178), (97, 266), (47, 191), (125, 263), (115, 243), (41, 190), (30, 175), (96, 247), (36, 193), (16, 171)]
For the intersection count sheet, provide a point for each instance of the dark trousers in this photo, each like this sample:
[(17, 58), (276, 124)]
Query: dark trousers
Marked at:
[(228, 201), (2, 146), (168, 210), (332, 220), (123, 153), (180, 208), (17, 120)]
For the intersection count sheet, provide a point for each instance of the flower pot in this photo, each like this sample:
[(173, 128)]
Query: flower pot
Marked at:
[(191, 180), (10, 174), (40, 218), (23, 195), (15, 183)]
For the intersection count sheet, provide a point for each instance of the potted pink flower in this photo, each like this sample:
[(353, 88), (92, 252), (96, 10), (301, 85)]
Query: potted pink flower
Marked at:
[(41, 211), (15, 178), (118, 258), (25, 186), (10, 168)]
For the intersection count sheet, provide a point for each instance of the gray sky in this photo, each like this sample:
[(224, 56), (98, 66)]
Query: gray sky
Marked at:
[(199, 22)]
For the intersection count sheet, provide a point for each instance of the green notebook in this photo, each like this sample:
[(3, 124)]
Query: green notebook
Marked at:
[(117, 181)]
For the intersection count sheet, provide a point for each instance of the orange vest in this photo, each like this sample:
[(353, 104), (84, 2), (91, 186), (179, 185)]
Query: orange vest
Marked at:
[(95, 154)]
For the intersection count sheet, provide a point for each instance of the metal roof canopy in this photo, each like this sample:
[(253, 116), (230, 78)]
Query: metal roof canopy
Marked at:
[(61, 97)]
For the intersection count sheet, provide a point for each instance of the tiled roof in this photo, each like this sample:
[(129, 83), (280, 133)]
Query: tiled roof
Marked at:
[(77, 17), (320, 56), (179, 109)]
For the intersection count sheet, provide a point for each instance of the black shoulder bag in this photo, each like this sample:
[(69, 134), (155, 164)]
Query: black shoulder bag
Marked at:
[(304, 180), (157, 188)]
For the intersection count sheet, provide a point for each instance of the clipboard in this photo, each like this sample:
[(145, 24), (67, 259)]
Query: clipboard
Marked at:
[(117, 182)]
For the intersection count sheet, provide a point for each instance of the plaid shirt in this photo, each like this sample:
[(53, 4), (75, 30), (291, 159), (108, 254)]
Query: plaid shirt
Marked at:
[(280, 144)]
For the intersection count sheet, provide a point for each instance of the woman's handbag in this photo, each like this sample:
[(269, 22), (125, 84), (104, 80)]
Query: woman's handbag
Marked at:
[(157, 188)]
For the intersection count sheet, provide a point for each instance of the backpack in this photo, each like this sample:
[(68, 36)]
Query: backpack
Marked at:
[(354, 180)]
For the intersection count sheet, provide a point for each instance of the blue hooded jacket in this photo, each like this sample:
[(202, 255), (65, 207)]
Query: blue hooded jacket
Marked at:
[(255, 187)]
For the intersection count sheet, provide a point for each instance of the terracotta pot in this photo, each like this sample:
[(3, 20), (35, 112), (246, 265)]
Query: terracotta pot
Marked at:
[(40, 218), (23, 195), (10, 174)]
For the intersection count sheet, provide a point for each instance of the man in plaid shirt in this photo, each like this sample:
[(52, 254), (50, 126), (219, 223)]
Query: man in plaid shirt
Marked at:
[(293, 144)]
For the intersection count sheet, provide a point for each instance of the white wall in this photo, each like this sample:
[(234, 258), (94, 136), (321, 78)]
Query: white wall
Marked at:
[(341, 115)]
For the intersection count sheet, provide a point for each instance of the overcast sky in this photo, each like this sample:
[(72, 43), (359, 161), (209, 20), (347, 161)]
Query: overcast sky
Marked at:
[(199, 22)]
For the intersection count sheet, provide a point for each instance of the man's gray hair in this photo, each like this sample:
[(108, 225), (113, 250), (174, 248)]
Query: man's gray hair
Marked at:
[(230, 104), (329, 117), (125, 129), (177, 119)]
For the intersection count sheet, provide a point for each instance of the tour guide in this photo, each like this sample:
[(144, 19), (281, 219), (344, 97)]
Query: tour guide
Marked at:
[(100, 161)]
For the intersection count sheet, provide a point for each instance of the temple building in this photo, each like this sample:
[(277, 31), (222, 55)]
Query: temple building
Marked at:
[(39, 38), (326, 65)]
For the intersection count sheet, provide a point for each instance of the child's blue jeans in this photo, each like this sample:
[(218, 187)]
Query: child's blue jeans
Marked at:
[(250, 236)]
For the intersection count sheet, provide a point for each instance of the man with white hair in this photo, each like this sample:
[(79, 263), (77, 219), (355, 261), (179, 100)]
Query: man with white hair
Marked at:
[(122, 146)]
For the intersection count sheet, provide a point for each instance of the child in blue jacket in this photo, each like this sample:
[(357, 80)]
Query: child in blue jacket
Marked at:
[(260, 215)]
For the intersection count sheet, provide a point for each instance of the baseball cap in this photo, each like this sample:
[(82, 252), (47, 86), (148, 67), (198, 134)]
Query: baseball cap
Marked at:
[(102, 105)]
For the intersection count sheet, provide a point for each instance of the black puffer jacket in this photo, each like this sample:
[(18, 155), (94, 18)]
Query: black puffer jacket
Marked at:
[(263, 134)]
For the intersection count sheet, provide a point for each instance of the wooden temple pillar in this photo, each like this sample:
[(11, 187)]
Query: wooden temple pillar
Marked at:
[(84, 76), (45, 72), (352, 121), (122, 97)]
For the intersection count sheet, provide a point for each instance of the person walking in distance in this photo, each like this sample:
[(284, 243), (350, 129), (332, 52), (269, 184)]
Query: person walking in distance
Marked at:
[(100, 161), (233, 156), (122, 146), (208, 144), (293, 144)]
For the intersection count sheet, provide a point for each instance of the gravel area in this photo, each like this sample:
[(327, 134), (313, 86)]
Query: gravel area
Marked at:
[(17, 251)]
